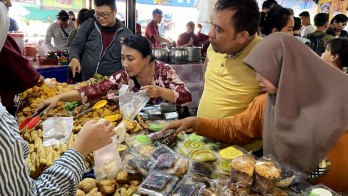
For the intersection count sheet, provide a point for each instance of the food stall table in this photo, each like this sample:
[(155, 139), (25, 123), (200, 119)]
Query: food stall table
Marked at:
[(192, 75)]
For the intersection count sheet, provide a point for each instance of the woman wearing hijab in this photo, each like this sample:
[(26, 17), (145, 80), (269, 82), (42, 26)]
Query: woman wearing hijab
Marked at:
[(303, 123), (64, 175), (17, 75)]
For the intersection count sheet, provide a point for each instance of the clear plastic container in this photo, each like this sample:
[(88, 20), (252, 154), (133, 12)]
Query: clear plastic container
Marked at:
[(171, 164), (190, 145), (200, 171), (157, 184), (162, 149), (320, 190), (144, 164), (188, 187)]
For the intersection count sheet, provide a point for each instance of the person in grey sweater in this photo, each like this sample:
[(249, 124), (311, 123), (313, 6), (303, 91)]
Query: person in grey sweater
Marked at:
[(59, 31), (97, 46)]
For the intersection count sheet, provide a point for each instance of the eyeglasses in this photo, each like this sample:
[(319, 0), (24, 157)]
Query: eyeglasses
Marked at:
[(105, 16)]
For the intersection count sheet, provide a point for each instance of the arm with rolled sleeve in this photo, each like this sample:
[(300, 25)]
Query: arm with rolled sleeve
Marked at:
[(61, 178)]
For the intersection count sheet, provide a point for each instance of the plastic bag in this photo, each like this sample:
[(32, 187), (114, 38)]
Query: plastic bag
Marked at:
[(56, 130), (131, 103), (107, 159)]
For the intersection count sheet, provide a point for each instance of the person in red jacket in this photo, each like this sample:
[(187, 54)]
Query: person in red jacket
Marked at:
[(17, 74)]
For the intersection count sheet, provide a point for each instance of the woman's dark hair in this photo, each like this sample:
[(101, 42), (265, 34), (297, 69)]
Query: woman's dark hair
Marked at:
[(268, 4), (277, 17), (110, 3), (339, 46), (297, 23), (246, 15), (140, 44)]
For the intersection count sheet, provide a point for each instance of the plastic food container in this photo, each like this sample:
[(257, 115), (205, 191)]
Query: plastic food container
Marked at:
[(171, 164), (188, 187), (162, 149), (157, 184)]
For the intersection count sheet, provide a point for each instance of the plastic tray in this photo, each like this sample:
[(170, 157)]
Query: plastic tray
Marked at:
[(157, 184)]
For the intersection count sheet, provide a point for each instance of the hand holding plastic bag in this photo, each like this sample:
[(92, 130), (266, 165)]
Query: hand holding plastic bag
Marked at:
[(107, 159)]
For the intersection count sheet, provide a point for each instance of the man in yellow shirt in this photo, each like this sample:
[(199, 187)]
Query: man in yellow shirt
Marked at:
[(230, 85)]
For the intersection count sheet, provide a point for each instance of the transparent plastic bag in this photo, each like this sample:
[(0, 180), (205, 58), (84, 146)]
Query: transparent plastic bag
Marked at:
[(107, 159), (56, 130), (131, 103)]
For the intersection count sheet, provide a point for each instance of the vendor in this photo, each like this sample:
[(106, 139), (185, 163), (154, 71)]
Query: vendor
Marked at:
[(290, 124), (141, 72), (17, 74), (188, 38)]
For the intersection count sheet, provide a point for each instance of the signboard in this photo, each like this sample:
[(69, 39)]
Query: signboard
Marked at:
[(332, 7), (24, 1), (64, 4)]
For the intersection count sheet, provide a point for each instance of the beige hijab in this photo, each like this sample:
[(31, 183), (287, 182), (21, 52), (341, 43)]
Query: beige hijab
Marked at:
[(309, 113), (4, 24)]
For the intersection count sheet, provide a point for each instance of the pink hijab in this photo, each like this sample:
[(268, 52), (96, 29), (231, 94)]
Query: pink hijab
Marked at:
[(309, 113)]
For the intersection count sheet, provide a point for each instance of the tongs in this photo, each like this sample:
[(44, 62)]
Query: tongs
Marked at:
[(32, 121)]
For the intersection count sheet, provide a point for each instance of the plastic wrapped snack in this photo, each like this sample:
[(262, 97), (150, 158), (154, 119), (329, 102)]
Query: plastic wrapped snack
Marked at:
[(320, 190), (161, 149), (188, 187), (299, 187), (289, 176), (171, 164), (190, 145), (160, 135), (157, 184), (145, 150), (267, 173), (202, 155), (242, 170), (129, 162), (230, 153), (157, 125), (223, 168), (144, 164), (136, 140), (200, 171)]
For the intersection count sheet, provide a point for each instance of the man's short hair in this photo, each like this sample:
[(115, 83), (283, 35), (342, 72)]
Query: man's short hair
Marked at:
[(305, 14), (321, 19), (339, 18), (246, 16), (297, 24), (110, 3), (157, 11), (63, 15), (191, 25)]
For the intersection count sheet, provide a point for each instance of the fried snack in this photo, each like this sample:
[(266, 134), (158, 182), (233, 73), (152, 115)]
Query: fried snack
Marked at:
[(94, 192), (131, 190), (107, 186), (122, 177), (87, 185), (95, 115), (106, 112), (130, 125), (27, 136), (99, 111), (40, 133), (33, 135), (80, 193)]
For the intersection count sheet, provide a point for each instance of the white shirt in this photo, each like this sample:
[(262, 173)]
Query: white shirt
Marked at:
[(307, 30)]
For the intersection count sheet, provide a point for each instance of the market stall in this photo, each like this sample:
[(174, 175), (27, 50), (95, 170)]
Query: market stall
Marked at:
[(153, 162)]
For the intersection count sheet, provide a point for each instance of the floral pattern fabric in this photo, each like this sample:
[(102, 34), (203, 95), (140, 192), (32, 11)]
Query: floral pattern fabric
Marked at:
[(164, 76)]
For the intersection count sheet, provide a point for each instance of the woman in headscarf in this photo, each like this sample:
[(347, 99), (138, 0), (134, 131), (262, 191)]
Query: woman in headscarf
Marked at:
[(17, 75), (64, 175), (305, 121)]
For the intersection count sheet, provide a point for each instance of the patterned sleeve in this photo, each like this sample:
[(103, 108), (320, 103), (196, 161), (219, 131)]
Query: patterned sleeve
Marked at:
[(61, 178), (94, 91), (171, 80)]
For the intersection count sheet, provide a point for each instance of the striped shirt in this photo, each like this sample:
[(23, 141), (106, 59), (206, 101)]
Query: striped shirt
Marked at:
[(61, 178)]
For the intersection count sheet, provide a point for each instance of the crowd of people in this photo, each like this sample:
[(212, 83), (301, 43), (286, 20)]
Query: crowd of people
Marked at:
[(271, 79)]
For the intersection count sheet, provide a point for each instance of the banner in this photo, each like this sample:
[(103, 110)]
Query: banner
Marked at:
[(332, 7), (64, 4)]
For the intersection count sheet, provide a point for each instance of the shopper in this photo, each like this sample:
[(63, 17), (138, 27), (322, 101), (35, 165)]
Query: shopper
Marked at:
[(337, 24), (151, 31), (59, 32), (13, 24), (277, 19), (96, 47), (141, 72), (229, 84), (17, 74), (307, 28), (66, 172), (300, 122)]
